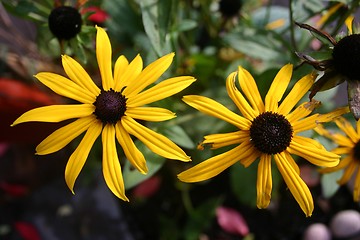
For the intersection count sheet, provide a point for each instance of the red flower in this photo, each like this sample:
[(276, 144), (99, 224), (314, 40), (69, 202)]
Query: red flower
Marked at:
[(98, 16)]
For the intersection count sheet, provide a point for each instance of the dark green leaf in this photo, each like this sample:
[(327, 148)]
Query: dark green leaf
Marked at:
[(132, 176)]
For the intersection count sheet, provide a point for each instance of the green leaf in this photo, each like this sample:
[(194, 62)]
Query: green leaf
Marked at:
[(186, 25), (243, 183), (329, 183), (255, 45), (303, 9), (31, 10), (126, 24), (200, 218), (179, 136), (155, 16), (133, 177)]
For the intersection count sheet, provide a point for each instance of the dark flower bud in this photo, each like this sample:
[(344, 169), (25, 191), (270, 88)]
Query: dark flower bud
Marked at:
[(346, 55), (65, 22), (230, 8)]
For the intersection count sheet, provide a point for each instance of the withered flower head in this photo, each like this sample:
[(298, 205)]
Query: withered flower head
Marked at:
[(342, 65)]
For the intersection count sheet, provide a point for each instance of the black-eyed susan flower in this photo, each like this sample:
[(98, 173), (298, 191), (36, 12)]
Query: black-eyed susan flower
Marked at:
[(267, 130), (343, 64), (109, 111), (349, 146)]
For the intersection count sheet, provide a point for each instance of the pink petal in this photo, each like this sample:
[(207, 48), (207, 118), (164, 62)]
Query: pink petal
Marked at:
[(231, 221)]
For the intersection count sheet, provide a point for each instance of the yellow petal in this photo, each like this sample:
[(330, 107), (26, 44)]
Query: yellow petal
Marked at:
[(132, 153), (111, 165), (238, 98), (278, 88), (358, 127), (225, 139), (296, 93), (351, 169), (302, 111), (305, 124), (295, 184), (156, 142), (63, 136), (78, 75), (129, 74), (250, 89), (79, 156), (342, 140), (120, 67), (357, 187), (215, 165), (103, 55), (347, 128), (264, 181), (278, 23), (56, 113), (322, 131), (149, 75), (333, 114), (342, 164), (253, 154), (160, 91), (342, 150), (348, 173), (349, 24), (328, 14), (152, 114), (65, 87), (310, 150), (215, 109)]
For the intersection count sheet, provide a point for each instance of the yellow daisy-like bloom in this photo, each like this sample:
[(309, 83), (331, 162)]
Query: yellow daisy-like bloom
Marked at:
[(110, 111), (350, 147), (266, 130)]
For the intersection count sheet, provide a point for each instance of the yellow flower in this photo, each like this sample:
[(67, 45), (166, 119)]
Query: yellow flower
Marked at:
[(350, 146), (110, 111), (267, 130)]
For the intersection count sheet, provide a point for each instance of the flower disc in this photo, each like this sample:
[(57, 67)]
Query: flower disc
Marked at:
[(271, 133), (346, 55), (110, 106)]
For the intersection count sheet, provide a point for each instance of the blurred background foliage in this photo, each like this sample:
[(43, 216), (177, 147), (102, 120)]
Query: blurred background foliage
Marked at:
[(210, 38)]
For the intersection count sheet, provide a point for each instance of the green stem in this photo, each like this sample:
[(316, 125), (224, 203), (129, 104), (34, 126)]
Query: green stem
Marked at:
[(291, 25), (187, 200)]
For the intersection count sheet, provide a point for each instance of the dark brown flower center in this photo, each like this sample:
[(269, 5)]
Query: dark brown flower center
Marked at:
[(271, 133), (110, 106), (346, 55), (356, 151), (65, 22)]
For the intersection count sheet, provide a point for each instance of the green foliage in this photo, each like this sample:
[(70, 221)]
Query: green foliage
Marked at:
[(208, 46), (200, 218), (132, 176)]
